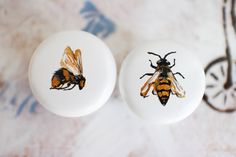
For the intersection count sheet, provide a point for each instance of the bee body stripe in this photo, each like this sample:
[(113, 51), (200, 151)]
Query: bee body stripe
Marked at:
[(163, 90), (61, 77), (55, 81), (163, 87)]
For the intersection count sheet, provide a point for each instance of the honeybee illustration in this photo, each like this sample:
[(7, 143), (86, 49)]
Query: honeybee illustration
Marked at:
[(162, 81), (71, 72)]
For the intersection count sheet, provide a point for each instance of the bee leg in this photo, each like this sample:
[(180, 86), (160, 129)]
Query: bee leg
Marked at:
[(173, 64), (148, 74), (71, 87), (154, 67), (67, 86), (179, 74), (62, 87), (59, 87), (153, 92)]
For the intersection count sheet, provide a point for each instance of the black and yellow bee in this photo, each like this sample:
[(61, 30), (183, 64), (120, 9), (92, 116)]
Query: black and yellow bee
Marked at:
[(162, 81), (71, 72)]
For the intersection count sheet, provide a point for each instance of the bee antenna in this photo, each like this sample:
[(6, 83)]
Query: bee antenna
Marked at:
[(169, 54), (154, 54)]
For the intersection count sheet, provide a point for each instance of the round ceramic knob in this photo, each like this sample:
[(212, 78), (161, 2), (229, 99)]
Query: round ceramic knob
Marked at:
[(162, 82), (72, 73)]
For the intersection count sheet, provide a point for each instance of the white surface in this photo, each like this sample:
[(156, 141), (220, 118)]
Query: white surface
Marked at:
[(149, 108), (98, 68)]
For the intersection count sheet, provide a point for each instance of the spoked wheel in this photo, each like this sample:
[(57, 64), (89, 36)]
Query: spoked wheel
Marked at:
[(216, 95)]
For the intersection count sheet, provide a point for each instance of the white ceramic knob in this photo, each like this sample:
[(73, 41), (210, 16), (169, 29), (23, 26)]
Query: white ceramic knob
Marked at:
[(150, 108), (98, 68)]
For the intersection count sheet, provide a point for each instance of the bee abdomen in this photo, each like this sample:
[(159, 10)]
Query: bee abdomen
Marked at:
[(163, 96), (163, 91), (165, 87), (56, 82), (61, 76), (66, 74)]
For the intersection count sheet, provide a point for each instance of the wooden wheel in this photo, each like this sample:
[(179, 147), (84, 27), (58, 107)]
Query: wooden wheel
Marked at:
[(216, 96)]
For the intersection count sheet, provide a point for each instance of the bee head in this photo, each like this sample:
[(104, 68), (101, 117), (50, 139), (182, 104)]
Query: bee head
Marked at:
[(80, 80), (163, 61)]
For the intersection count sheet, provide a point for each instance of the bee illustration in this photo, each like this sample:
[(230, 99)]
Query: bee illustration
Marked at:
[(162, 81), (71, 72)]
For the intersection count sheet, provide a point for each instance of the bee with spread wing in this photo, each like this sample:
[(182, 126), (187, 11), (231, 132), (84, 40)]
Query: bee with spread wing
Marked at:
[(71, 72), (162, 82)]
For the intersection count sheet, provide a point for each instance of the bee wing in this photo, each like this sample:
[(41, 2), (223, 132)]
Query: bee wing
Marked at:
[(175, 87), (78, 57), (69, 61), (150, 82)]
